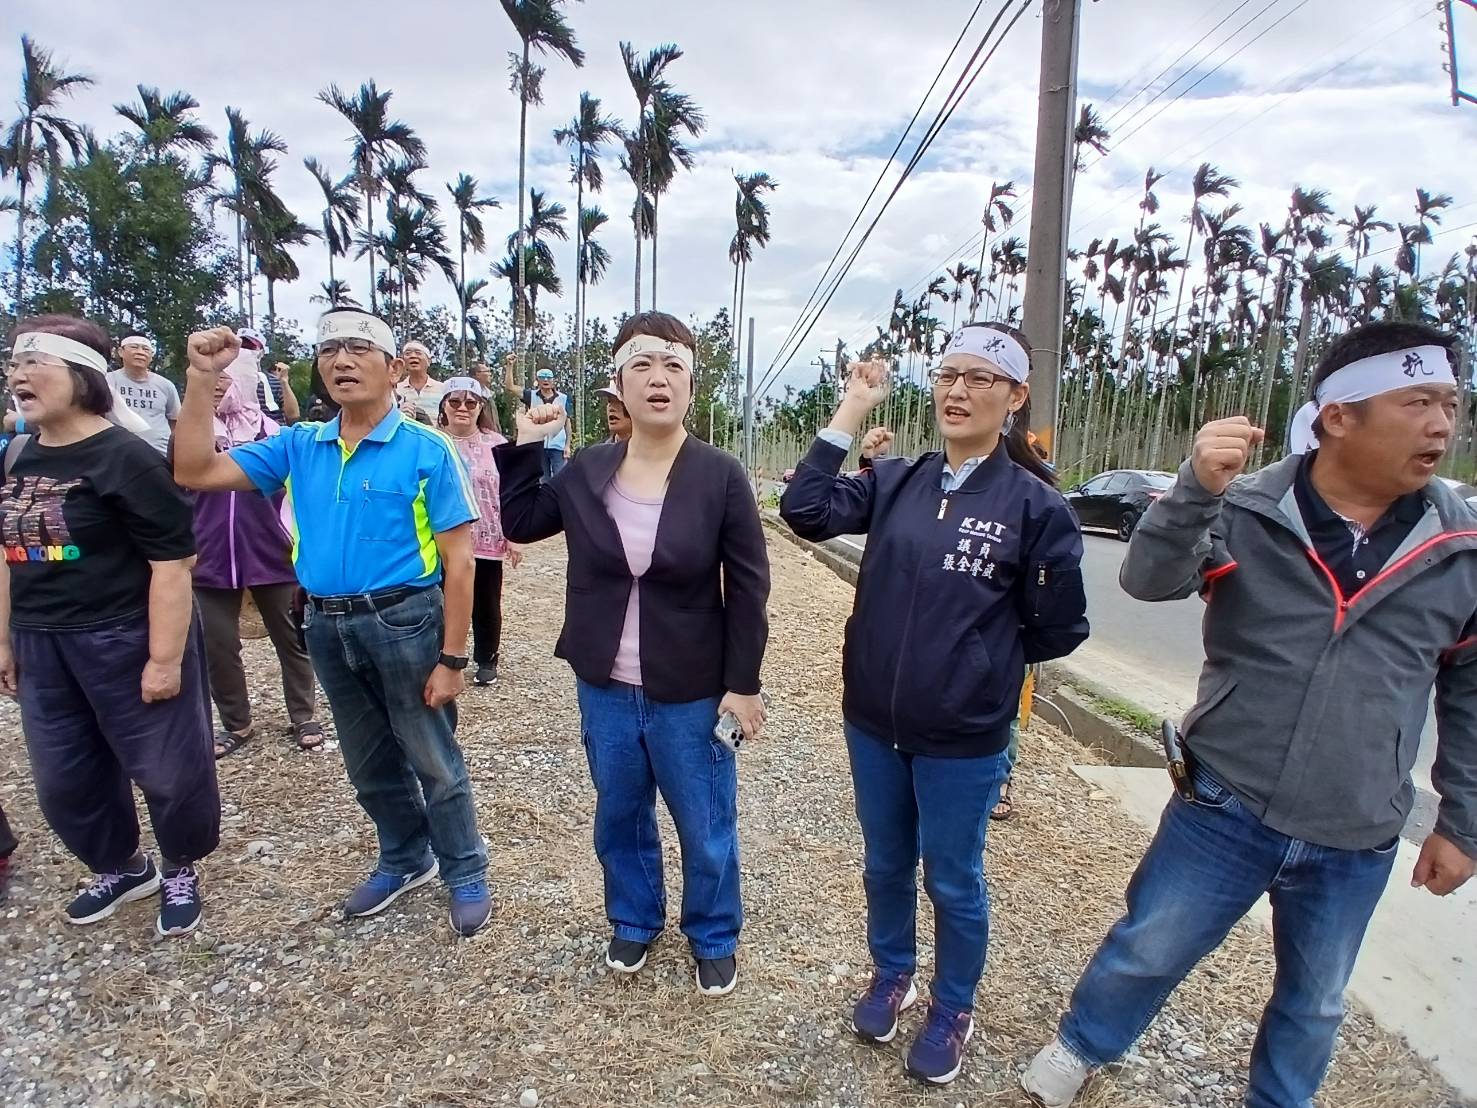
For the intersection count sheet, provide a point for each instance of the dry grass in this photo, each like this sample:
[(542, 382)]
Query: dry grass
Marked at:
[(394, 1011)]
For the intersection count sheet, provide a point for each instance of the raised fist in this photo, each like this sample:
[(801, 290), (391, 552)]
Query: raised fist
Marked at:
[(1221, 450), (877, 442), (867, 384), (211, 351), (542, 421)]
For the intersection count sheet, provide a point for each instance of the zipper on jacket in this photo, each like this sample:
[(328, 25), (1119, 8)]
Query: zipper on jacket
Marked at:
[(231, 541), (1344, 603)]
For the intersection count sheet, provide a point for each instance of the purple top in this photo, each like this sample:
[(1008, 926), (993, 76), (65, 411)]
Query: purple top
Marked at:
[(636, 519)]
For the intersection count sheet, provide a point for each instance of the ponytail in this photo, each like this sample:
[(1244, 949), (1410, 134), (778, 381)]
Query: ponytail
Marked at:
[(1022, 452)]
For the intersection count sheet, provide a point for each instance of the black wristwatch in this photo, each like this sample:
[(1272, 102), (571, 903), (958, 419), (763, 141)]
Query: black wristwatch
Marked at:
[(451, 661)]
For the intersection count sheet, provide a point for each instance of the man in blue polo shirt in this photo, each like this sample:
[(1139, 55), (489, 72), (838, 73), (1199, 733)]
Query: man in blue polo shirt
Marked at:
[(383, 546)]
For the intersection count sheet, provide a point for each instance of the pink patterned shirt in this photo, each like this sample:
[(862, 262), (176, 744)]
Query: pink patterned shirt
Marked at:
[(487, 532)]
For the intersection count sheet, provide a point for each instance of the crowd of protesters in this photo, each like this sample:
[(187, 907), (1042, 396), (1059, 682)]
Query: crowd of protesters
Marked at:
[(1340, 586)]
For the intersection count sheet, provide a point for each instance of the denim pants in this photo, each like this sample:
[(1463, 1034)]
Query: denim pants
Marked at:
[(92, 738), (937, 808), (637, 746), (1208, 864), (554, 461), (401, 756)]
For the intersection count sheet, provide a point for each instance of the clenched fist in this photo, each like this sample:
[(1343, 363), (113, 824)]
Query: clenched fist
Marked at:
[(540, 422), (877, 442), (212, 351), (866, 386), (1221, 450)]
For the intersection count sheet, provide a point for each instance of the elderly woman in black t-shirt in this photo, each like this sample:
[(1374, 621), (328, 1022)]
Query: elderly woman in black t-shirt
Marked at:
[(97, 636)]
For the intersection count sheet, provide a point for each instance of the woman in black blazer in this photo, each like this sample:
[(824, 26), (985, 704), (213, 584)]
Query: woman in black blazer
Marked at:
[(665, 627)]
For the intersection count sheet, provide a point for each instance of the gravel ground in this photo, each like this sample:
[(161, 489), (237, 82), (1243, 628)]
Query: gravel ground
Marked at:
[(279, 1002)]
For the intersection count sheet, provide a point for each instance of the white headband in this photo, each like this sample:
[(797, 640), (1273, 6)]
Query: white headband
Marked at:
[(650, 344), (59, 346), (465, 384), (356, 325), (1361, 380), (995, 347), (138, 340), (422, 347)]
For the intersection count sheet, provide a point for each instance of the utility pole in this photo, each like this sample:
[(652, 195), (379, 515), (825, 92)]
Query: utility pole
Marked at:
[(1458, 94), (1051, 209), (749, 407)]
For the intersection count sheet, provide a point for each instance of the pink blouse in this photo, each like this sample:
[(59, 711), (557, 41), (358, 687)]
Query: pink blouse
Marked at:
[(636, 518), (488, 540)]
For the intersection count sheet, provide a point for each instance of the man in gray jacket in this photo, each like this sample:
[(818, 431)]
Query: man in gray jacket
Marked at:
[(1340, 583)]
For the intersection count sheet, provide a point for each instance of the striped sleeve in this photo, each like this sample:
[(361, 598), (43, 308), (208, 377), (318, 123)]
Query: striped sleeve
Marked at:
[(450, 501)]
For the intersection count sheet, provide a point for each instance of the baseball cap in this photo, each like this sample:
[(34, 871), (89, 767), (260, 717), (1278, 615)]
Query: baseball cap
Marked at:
[(608, 390), (545, 375)]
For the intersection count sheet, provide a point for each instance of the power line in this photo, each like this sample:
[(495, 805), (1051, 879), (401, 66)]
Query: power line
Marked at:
[(956, 97), (974, 239), (882, 173)]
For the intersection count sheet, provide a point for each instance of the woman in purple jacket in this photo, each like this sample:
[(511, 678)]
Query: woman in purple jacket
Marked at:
[(244, 545)]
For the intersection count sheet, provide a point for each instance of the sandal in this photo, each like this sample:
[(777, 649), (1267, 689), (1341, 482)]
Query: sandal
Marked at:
[(1004, 807), (309, 735), (228, 742)]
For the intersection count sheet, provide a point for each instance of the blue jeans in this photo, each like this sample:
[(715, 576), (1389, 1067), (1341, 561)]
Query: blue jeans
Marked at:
[(636, 747), (1208, 864), (554, 461), (910, 805), (401, 756)]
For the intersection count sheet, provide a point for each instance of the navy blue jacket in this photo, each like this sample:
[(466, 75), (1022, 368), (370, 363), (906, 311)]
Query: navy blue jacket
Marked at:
[(958, 592)]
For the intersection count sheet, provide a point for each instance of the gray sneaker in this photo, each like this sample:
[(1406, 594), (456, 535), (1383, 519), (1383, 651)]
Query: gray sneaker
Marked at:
[(486, 674), (379, 890)]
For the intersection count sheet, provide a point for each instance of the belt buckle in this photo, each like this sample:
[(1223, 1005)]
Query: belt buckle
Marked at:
[(336, 605)]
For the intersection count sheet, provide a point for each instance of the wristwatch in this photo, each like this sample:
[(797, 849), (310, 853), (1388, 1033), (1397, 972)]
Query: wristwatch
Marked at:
[(452, 661)]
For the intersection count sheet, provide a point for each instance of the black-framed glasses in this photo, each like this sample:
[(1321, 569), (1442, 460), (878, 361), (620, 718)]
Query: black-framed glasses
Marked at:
[(975, 380), (329, 348)]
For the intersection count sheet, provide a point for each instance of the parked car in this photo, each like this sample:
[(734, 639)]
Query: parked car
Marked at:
[(1116, 501)]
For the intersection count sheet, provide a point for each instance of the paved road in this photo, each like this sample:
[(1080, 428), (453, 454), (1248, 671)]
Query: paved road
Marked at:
[(1148, 654)]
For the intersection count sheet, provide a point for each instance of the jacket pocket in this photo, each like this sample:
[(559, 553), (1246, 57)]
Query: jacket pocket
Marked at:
[(1207, 704)]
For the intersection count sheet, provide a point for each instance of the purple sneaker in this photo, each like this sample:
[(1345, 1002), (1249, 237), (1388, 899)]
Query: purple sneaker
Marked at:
[(937, 1054), (875, 1016)]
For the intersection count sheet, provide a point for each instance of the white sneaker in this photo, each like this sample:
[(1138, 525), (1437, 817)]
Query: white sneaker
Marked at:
[(1055, 1076)]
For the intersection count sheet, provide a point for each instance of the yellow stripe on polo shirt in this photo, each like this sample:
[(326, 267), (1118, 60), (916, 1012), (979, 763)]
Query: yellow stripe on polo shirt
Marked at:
[(430, 553)]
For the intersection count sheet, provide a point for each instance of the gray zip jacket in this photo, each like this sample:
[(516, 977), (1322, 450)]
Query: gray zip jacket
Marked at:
[(1311, 704)]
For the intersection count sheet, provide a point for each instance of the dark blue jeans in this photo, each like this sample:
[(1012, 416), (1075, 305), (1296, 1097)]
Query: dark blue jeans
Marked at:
[(1208, 864), (911, 806), (401, 756), (554, 461), (636, 747)]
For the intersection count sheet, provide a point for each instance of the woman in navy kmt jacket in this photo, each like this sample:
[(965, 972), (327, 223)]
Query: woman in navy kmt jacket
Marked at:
[(972, 571)]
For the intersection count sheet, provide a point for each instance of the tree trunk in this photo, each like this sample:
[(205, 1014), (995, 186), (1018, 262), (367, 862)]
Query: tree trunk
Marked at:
[(1199, 349), (461, 293), (20, 251), (579, 288), (985, 283), (656, 198), (271, 310), (520, 333), (733, 320), (640, 224)]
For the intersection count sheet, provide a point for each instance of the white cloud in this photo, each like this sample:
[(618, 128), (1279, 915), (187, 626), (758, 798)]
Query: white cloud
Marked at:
[(815, 93)]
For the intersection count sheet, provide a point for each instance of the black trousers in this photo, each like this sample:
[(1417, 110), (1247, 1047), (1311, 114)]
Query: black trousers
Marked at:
[(220, 611), (487, 611)]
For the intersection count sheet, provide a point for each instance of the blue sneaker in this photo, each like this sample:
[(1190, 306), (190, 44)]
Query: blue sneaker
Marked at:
[(109, 891), (471, 908), (937, 1054), (889, 995), (379, 890)]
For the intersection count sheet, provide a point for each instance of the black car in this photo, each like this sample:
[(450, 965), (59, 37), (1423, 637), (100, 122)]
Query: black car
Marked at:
[(1116, 500)]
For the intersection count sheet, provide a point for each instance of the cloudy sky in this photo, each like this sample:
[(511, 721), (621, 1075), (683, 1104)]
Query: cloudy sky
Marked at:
[(1346, 95)]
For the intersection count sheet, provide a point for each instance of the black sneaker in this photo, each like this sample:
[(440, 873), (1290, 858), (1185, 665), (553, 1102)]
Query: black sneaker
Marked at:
[(486, 674), (717, 976), (109, 890), (379, 890), (626, 955), (179, 902)]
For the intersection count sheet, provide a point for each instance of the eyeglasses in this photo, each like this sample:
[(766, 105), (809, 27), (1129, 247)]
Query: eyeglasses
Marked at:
[(976, 380), (330, 347), (463, 402)]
